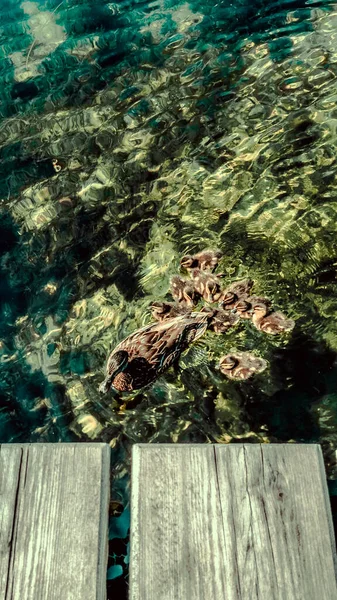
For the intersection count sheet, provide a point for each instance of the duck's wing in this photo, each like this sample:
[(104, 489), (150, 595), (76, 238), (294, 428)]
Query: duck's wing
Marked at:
[(256, 364), (172, 353), (157, 341), (279, 321), (283, 318), (246, 369), (241, 372), (248, 365), (134, 337)]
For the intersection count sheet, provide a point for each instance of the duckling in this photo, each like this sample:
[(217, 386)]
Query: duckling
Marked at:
[(228, 300), (234, 293), (184, 292), (241, 288), (207, 260), (222, 321), (167, 310), (207, 285), (244, 309), (268, 321), (241, 365)]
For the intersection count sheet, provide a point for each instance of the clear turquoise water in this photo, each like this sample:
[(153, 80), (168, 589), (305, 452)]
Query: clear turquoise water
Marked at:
[(174, 127)]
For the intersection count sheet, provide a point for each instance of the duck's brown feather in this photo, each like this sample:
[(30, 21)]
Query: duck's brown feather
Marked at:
[(154, 348)]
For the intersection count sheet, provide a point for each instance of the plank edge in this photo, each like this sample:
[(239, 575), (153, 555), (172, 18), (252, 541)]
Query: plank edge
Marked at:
[(134, 531)]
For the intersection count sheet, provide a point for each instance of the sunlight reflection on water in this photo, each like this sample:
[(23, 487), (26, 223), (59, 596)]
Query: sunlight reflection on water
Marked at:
[(131, 134)]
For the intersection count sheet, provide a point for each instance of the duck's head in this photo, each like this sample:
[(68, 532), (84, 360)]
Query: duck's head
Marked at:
[(212, 291), (158, 309), (189, 262), (244, 307), (190, 295), (227, 299), (117, 364), (260, 310), (260, 306), (184, 291), (228, 362), (223, 320)]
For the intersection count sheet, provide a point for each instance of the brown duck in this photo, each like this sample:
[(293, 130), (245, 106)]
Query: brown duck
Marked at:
[(268, 321), (241, 365), (207, 260), (144, 355)]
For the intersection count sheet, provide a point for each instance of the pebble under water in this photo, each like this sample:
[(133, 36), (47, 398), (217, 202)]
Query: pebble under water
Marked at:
[(131, 134)]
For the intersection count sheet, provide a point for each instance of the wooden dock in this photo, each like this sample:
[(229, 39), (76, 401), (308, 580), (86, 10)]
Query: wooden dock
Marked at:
[(54, 521), (231, 522), (208, 522)]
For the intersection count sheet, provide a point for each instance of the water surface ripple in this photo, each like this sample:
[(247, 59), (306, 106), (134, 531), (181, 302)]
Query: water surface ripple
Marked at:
[(132, 133)]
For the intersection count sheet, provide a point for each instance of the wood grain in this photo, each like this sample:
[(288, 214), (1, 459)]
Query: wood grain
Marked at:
[(54, 521), (231, 522)]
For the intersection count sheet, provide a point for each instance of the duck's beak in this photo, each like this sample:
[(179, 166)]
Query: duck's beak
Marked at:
[(105, 386)]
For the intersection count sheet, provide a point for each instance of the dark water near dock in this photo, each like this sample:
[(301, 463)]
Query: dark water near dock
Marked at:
[(132, 133)]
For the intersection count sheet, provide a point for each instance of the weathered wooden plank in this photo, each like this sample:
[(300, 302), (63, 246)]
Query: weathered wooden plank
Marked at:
[(234, 522), (54, 521)]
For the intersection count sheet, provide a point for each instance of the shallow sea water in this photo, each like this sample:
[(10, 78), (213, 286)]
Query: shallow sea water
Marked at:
[(132, 133)]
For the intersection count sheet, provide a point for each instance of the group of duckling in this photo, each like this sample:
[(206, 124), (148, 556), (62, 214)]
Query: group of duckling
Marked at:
[(145, 354), (234, 302)]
